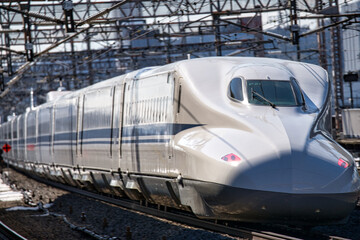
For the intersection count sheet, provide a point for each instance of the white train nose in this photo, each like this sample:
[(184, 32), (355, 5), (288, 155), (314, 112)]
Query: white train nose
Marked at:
[(300, 173), (266, 206), (285, 191), (303, 163), (314, 186)]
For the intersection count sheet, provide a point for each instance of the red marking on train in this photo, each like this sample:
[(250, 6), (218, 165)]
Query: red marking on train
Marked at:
[(231, 158), (343, 163), (30, 147), (6, 148)]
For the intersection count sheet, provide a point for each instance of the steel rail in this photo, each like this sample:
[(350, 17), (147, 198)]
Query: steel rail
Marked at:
[(7, 233), (242, 232)]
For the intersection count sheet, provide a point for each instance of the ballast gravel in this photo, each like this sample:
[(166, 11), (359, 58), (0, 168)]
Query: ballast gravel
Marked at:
[(63, 215)]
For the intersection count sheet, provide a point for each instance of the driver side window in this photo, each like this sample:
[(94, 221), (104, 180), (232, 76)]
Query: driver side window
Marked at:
[(236, 90)]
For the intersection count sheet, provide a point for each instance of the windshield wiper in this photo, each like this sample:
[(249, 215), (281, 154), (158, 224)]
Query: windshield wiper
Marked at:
[(262, 98)]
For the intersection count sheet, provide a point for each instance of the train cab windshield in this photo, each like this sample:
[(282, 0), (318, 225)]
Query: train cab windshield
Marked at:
[(268, 92)]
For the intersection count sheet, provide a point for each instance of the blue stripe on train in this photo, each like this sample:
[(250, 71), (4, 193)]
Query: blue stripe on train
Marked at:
[(138, 131)]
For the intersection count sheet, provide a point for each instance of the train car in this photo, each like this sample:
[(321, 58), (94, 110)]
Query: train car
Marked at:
[(228, 138)]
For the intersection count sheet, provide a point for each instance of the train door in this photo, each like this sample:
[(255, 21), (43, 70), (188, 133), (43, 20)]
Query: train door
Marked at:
[(31, 136), (63, 132), (21, 137), (38, 155), (25, 137), (52, 133), (14, 139), (117, 122), (18, 139), (73, 122), (79, 129), (173, 112), (125, 150), (148, 123), (44, 134)]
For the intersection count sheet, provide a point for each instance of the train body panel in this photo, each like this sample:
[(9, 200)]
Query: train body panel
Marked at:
[(227, 138)]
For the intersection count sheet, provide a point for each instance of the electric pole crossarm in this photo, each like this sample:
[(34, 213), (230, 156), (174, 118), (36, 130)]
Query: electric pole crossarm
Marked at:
[(99, 14), (259, 31), (11, 50), (324, 27), (33, 14)]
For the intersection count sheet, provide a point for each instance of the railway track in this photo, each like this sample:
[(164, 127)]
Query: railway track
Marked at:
[(161, 212), (7, 233)]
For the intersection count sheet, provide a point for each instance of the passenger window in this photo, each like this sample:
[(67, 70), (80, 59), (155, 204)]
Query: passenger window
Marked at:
[(236, 90)]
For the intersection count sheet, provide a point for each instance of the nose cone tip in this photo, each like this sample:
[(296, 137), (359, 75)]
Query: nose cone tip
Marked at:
[(301, 189), (300, 172), (265, 206)]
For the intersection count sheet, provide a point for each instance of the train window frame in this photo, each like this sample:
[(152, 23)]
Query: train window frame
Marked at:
[(297, 90), (291, 82), (230, 94)]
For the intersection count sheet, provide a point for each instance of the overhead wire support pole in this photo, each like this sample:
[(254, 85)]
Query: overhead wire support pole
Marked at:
[(321, 38), (69, 17), (294, 28), (216, 24), (7, 49), (8, 54), (168, 45), (27, 33), (89, 55), (6, 27), (337, 63)]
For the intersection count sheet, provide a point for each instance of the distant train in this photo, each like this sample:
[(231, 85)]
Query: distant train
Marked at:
[(228, 138)]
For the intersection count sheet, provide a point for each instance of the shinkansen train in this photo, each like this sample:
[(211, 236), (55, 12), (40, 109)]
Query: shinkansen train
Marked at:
[(228, 138)]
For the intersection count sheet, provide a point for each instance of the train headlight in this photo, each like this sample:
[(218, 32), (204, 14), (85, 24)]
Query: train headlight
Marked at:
[(343, 163), (231, 157)]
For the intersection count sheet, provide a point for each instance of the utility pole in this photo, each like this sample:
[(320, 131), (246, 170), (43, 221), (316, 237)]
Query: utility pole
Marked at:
[(69, 18), (294, 28), (321, 38), (216, 24), (336, 48), (27, 32)]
